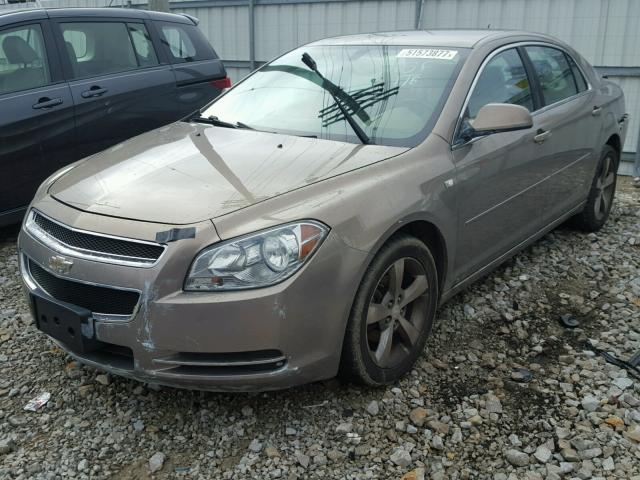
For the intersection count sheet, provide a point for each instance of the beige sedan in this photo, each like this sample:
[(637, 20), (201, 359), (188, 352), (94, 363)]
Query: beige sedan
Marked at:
[(310, 221)]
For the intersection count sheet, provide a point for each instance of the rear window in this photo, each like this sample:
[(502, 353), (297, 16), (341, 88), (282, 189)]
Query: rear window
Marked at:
[(185, 43)]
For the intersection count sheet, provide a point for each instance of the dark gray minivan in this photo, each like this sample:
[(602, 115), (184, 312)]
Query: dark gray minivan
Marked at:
[(76, 81)]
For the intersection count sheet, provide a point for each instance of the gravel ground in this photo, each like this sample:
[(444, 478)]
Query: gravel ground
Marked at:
[(505, 391)]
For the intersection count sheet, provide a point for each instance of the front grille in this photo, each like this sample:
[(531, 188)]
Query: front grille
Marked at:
[(97, 243), (103, 300)]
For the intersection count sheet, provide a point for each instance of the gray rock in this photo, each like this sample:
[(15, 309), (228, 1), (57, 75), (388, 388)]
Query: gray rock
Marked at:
[(255, 446), (493, 404), (247, 411), (514, 440), (156, 462), (608, 464), (320, 459), (542, 454), (346, 427), (517, 458), (401, 457), (7, 446), (17, 421), (590, 453), (623, 383), (570, 455), (590, 403), (437, 443), (303, 459), (373, 408)]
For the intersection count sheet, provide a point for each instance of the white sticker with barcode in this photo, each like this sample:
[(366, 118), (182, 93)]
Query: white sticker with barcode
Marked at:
[(427, 53)]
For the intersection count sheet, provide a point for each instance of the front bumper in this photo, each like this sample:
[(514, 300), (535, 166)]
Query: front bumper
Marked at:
[(252, 340)]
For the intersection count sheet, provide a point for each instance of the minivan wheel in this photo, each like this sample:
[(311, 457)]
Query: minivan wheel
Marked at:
[(392, 315), (603, 188)]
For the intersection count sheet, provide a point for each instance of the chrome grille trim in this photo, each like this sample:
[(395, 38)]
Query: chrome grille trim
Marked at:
[(35, 231), (174, 362)]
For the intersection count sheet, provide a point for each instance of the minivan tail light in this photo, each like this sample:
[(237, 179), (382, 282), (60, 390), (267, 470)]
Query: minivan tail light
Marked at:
[(221, 83)]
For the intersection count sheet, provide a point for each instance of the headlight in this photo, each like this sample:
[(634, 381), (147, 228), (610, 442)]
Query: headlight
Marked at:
[(256, 260)]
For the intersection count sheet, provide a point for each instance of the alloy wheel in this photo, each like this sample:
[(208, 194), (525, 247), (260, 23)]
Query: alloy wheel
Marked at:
[(397, 312), (605, 187)]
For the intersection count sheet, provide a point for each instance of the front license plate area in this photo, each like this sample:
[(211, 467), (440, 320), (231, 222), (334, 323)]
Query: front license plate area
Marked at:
[(67, 323)]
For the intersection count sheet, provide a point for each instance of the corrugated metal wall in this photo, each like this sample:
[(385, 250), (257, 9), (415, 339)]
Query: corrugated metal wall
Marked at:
[(606, 32)]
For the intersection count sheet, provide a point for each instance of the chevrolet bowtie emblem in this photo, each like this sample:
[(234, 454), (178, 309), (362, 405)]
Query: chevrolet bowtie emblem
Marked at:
[(60, 264)]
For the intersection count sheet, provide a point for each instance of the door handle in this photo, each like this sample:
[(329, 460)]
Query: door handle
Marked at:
[(596, 111), (46, 102), (542, 136), (94, 91)]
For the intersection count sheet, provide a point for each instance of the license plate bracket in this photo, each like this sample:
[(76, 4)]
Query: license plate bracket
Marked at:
[(70, 324)]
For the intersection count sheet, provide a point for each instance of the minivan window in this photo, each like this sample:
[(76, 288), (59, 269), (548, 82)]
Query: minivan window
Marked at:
[(185, 43), (98, 48), (502, 80), (142, 45), (394, 92), (23, 62), (554, 74)]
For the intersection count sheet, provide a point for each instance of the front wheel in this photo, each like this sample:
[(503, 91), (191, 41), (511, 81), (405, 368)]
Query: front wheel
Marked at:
[(392, 314), (603, 189)]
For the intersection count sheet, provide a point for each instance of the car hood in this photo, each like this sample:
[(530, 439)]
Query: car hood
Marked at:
[(185, 172)]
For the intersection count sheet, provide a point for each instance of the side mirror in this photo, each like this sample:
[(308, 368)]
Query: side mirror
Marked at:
[(500, 117)]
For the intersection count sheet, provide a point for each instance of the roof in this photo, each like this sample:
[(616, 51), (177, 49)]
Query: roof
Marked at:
[(11, 16), (428, 38)]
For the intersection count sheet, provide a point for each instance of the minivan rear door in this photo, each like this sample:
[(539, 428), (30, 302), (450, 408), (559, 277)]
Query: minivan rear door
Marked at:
[(200, 74), (118, 83), (36, 113)]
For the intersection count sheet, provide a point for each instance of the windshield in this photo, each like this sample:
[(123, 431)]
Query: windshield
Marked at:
[(394, 93)]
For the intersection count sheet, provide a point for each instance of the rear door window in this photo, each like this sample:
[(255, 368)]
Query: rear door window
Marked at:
[(502, 80), (143, 45), (99, 48), (577, 74), (554, 73), (185, 43), (23, 61)]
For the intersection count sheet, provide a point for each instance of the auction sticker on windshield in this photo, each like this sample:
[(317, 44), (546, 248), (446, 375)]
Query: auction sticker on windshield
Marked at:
[(427, 53)]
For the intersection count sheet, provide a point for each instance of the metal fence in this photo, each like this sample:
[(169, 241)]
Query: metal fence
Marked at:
[(247, 33)]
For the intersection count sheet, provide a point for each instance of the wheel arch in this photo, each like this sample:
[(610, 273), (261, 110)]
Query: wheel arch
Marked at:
[(428, 232), (615, 142)]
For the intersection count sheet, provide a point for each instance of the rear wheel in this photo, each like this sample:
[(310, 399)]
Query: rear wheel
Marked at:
[(392, 315), (603, 188)]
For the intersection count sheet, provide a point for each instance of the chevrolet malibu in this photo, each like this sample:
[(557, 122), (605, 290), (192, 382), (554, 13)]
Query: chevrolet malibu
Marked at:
[(310, 221)]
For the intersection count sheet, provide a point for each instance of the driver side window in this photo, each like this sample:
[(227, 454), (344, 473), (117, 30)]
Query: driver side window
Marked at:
[(503, 80)]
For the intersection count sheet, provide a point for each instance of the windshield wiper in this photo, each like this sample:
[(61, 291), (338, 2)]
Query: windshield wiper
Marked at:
[(332, 88), (213, 120)]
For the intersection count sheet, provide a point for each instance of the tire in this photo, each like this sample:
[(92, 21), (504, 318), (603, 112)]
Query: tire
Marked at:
[(400, 324), (601, 195)]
